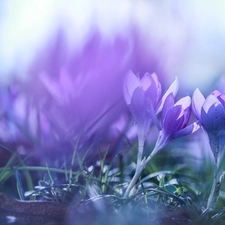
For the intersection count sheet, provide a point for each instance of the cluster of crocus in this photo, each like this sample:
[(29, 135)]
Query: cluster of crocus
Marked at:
[(142, 94), (211, 115), (143, 97)]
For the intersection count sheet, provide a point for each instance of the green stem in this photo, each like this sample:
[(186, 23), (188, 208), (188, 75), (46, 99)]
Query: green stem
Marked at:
[(138, 171), (141, 163), (134, 180), (141, 143), (215, 190)]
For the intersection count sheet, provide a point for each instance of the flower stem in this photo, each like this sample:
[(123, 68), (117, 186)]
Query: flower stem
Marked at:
[(215, 190), (134, 180), (140, 152), (139, 167), (141, 163), (138, 171)]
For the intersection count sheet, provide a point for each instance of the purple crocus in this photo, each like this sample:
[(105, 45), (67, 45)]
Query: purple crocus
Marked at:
[(211, 115), (175, 117), (142, 96)]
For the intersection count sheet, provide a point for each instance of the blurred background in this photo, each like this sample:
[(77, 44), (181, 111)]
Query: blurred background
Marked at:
[(62, 64), (186, 38)]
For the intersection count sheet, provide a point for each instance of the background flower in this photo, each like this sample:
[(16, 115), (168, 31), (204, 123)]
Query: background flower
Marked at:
[(211, 115)]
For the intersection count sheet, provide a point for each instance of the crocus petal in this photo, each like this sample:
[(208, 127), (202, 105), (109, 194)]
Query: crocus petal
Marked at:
[(197, 102), (131, 82), (152, 113), (209, 102), (220, 96), (186, 109), (178, 116), (185, 102), (217, 146), (170, 123), (216, 93), (152, 88), (213, 115), (143, 129), (137, 105), (168, 104), (146, 81), (164, 138), (186, 131), (173, 88), (186, 116)]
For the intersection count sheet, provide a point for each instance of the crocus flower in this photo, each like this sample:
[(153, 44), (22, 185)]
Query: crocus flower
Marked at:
[(140, 94), (142, 97), (211, 115), (175, 117)]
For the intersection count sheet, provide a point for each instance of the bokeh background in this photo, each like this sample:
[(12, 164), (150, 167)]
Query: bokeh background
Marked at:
[(186, 38), (62, 64)]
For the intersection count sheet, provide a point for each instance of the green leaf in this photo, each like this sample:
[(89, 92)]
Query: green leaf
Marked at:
[(179, 191), (162, 182), (19, 185), (170, 188)]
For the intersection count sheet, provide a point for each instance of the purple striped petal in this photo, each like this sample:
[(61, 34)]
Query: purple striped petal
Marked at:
[(186, 109), (152, 114), (168, 104), (171, 122), (173, 88), (137, 105), (152, 91), (186, 131), (131, 82), (197, 103), (220, 96), (213, 115), (146, 81), (177, 117)]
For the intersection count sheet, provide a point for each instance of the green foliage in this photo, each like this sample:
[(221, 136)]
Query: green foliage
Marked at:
[(168, 193)]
